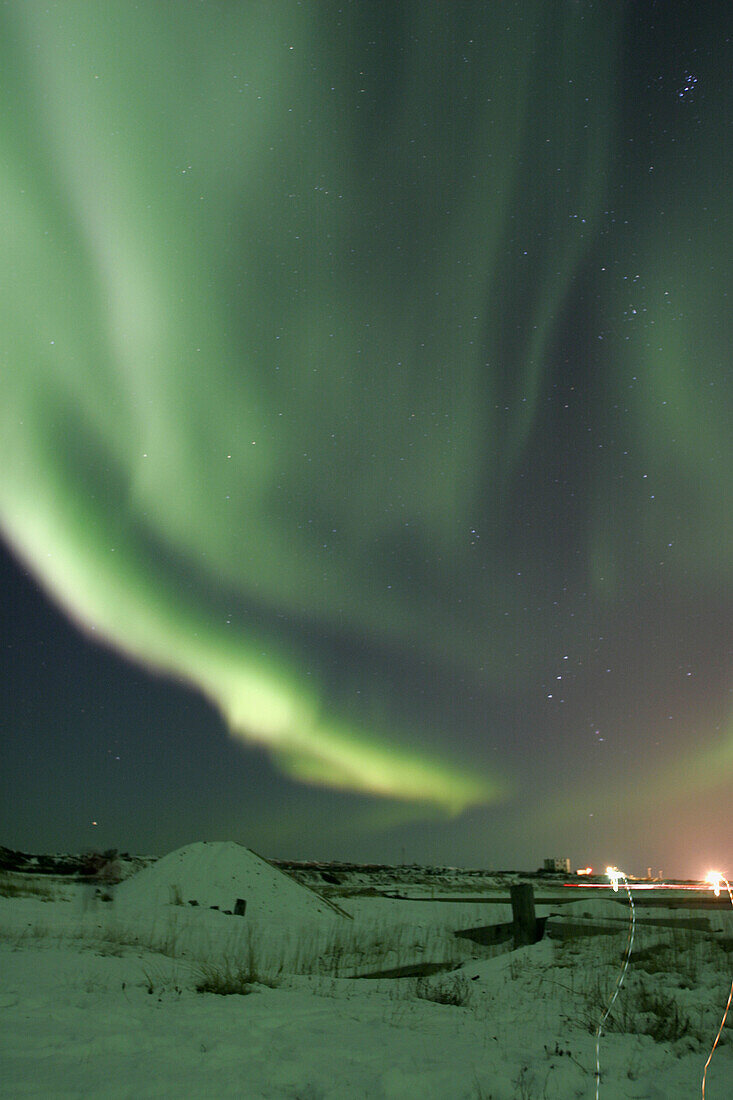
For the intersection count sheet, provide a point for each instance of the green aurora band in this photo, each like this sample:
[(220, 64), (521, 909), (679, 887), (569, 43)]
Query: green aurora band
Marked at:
[(278, 336)]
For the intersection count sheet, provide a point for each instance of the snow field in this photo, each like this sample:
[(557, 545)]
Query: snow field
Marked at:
[(99, 1001)]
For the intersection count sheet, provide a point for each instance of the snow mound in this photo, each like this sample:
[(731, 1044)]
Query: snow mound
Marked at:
[(214, 875), (614, 914)]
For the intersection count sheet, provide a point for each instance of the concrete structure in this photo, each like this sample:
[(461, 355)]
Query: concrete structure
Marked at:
[(558, 863)]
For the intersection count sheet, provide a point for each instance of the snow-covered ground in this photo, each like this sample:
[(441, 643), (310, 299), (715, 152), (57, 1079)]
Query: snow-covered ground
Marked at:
[(100, 998)]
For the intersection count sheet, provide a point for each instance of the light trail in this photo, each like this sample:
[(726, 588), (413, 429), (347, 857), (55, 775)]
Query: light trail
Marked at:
[(716, 880), (615, 876), (701, 888)]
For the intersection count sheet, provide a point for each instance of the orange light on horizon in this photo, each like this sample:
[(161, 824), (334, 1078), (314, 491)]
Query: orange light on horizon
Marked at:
[(584, 871)]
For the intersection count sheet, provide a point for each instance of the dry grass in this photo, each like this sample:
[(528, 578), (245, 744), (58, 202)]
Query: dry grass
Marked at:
[(20, 886), (669, 991), (232, 976)]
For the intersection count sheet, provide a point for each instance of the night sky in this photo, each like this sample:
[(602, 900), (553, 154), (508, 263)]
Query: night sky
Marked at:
[(365, 433)]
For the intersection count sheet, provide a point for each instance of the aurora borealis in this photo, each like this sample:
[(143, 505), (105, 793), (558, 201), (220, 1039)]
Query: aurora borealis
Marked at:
[(367, 393)]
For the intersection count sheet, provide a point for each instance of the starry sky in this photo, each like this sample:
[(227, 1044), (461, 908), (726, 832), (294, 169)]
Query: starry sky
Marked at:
[(366, 430)]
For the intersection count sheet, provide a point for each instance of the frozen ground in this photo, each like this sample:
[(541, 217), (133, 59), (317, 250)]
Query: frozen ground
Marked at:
[(101, 998)]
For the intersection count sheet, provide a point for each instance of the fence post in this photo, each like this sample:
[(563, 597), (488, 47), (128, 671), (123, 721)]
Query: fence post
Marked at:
[(523, 915)]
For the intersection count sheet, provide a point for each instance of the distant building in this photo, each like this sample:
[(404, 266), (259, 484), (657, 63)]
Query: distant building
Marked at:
[(558, 863)]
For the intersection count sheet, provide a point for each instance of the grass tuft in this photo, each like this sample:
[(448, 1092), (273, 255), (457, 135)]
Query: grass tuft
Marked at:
[(231, 977)]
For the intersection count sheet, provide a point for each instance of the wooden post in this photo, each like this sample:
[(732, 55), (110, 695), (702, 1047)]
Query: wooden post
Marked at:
[(523, 915)]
